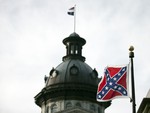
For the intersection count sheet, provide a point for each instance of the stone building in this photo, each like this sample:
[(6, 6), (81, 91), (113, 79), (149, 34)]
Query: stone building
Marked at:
[(145, 105), (72, 86)]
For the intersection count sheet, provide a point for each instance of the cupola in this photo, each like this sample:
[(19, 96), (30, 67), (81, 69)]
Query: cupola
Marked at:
[(74, 45)]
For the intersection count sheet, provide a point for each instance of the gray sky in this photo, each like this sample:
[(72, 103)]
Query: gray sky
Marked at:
[(31, 34)]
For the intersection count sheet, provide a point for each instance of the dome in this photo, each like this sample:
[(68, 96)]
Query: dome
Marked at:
[(74, 34), (72, 79), (74, 38), (73, 71)]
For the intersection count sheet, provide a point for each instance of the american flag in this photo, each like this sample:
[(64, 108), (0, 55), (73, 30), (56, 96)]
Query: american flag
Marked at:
[(114, 83)]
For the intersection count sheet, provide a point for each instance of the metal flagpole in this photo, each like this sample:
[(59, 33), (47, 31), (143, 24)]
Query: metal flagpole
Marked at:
[(131, 56), (74, 18)]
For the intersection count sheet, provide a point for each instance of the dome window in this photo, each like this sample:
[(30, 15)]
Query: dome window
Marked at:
[(94, 74), (53, 73), (74, 70)]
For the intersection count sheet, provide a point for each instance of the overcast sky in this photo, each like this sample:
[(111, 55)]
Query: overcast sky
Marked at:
[(31, 34)]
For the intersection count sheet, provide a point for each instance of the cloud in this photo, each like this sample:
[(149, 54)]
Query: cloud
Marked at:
[(31, 34)]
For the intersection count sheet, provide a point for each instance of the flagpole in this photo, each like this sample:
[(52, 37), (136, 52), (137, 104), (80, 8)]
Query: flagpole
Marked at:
[(74, 18), (131, 56)]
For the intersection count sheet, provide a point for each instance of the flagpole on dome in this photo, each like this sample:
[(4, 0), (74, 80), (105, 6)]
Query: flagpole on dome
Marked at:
[(72, 12), (74, 18), (131, 56)]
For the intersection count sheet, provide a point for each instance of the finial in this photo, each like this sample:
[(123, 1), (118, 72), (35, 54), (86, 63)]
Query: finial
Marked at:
[(45, 78), (131, 54), (131, 48)]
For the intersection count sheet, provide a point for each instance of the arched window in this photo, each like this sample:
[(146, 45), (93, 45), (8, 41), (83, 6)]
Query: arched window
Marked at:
[(72, 49), (53, 108), (76, 49), (92, 107), (78, 104), (99, 111), (68, 105), (47, 109)]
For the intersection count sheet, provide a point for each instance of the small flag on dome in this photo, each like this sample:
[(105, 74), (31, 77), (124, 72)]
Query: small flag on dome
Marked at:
[(71, 11), (114, 83)]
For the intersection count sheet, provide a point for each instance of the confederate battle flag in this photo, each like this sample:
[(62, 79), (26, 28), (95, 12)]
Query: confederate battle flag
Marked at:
[(113, 84)]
